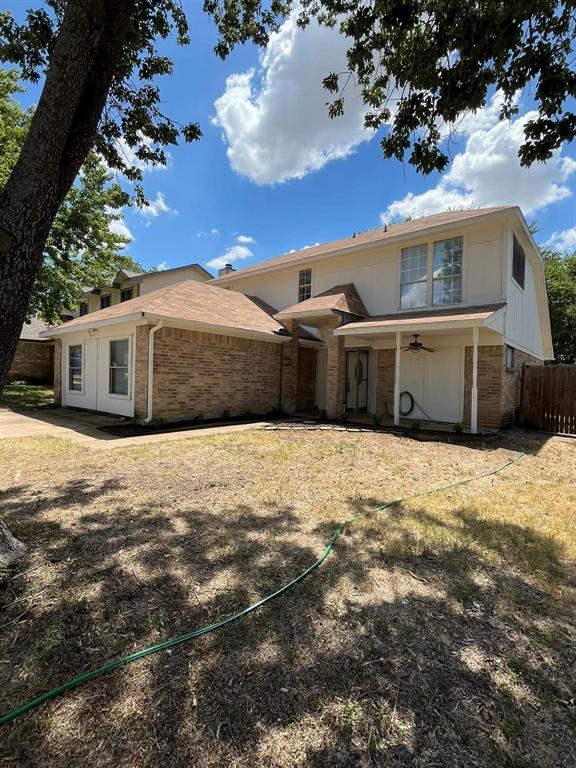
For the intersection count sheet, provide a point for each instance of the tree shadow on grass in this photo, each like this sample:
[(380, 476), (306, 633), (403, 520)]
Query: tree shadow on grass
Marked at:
[(391, 654)]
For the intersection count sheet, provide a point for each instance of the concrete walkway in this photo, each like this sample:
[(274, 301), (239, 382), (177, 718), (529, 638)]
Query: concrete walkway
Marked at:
[(83, 427)]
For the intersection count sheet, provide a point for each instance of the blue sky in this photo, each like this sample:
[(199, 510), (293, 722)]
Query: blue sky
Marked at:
[(273, 172)]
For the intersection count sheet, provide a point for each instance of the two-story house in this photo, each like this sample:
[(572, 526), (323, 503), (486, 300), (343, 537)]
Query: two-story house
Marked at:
[(431, 319), (129, 285)]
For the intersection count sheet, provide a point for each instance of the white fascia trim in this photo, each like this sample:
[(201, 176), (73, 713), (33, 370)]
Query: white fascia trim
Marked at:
[(526, 350), (307, 313), (425, 231), (60, 330), (408, 328)]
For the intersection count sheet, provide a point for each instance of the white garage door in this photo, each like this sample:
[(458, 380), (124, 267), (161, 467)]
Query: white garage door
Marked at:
[(436, 380), (97, 374)]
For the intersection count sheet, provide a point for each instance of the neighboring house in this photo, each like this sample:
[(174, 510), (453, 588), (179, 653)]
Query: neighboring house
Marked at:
[(129, 285), (34, 357), (470, 283)]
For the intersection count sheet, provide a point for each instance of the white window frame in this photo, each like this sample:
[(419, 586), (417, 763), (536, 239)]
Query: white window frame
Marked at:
[(430, 278), (305, 269), (512, 352), (423, 280), (114, 395), (516, 283), (76, 392)]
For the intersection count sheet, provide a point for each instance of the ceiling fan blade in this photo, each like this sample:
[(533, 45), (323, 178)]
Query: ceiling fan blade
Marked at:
[(429, 349)]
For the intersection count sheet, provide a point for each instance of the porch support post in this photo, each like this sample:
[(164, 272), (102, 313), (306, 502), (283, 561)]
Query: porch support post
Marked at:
[(474, 392), (335, 363), (397, 379)]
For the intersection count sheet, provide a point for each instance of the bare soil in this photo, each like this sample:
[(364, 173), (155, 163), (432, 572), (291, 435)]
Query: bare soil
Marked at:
[(440, 632)]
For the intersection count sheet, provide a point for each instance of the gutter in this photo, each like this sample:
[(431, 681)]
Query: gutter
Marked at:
[(150, 393)]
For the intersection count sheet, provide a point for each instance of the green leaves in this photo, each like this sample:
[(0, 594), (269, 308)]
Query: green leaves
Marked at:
[(561, 287), (84, 247)]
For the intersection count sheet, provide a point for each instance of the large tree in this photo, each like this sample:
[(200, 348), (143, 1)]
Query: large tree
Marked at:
[(561, 286), (421, 65), (85, 244)]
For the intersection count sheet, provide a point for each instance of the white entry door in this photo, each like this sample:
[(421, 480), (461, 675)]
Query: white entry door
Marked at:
[(97, 374), (436, 381)]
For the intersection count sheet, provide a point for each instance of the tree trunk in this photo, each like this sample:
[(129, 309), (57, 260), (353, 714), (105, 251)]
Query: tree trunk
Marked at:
[(10, 548), (82, 66), (83, 63)]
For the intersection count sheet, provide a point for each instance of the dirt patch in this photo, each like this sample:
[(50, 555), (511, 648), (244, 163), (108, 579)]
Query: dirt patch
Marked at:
[(440, 633)]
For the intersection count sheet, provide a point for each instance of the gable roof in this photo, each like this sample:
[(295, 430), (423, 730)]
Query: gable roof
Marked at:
[(31, 330), (340, 298), (365, 239), (191, 302)]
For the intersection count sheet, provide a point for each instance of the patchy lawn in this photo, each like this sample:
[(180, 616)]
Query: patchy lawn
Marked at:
[(26, 397), (440, 633)]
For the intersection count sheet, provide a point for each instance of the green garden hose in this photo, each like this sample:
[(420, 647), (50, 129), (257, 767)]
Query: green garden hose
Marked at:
[(94, 673)]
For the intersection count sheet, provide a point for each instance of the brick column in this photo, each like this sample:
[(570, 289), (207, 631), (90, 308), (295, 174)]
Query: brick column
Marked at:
[(290, 368), (336, 360), (57, 371), (141, 372)]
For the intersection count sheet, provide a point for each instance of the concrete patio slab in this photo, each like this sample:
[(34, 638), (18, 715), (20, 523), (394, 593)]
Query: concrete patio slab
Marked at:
[(84, 428)]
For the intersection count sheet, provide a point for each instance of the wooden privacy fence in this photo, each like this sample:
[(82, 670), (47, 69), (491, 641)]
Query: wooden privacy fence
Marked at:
[(548, 398)]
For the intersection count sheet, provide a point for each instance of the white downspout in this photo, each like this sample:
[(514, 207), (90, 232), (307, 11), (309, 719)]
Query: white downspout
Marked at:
[(150, 392)]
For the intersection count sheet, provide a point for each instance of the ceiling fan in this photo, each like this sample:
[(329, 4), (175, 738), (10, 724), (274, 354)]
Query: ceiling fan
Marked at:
[(417, 346)]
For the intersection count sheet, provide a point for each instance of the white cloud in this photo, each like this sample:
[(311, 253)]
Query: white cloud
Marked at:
[(563, 241), (245, 239), (275, 119), (162, 266), (487, 172), (231, 256), (129, 155), (156, 207), (213, 231), (119, 227)]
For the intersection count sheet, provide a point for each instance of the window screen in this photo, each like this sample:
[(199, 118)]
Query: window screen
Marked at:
[(304, 284), (75, 367), (518, 263), (447, 272), (413, 277)]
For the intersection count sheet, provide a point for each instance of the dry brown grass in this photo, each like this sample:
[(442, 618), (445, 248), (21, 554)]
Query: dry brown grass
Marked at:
[(440, 633)]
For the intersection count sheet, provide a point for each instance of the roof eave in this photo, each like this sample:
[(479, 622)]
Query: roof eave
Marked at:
[(354, 247)]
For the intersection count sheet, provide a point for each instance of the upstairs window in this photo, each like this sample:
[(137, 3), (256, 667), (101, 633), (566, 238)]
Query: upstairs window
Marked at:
[(304, 284), (447, 272), (413, 277), (75, 367), (83, 308), (518, 262), (126, 294), (105, 301)]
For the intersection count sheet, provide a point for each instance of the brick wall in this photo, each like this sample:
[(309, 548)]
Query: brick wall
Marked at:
[(306, 387), (33, 361), (511, 381), (498, 389), (290, 354), (385, 382), (202, 373), (335, 366), (141, 370)]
